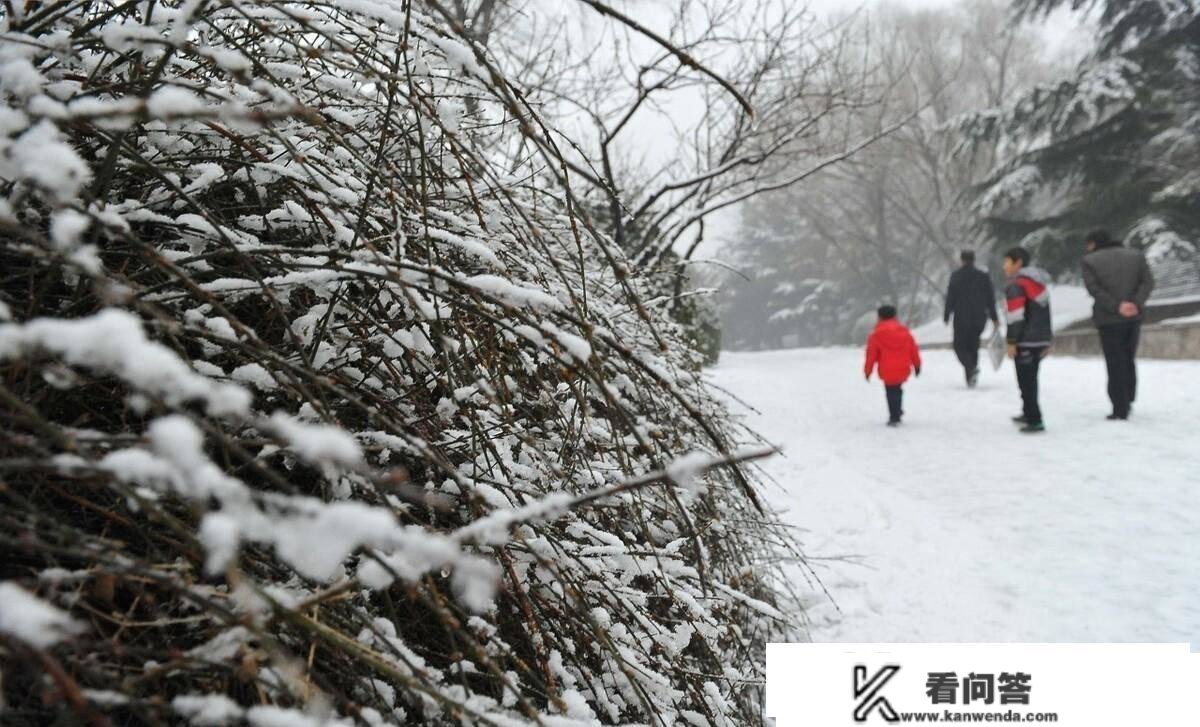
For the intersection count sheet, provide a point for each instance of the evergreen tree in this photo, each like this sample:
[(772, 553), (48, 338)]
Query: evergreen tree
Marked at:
[(1115, 146)]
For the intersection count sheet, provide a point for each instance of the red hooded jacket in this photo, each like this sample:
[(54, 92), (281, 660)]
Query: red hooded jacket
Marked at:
[(892, 347)]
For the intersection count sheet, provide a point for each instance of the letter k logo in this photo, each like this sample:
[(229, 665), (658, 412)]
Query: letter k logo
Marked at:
[(866, 692)]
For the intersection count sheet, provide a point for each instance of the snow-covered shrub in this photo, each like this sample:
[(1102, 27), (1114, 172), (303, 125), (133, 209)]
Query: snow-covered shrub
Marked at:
[(324, 404)]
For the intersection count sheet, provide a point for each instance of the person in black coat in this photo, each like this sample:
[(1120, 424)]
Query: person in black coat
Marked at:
[(971, 301)]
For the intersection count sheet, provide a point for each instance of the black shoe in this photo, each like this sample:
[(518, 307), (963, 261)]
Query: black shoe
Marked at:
[(1117, 417), (1020, 419), (1033, 428)]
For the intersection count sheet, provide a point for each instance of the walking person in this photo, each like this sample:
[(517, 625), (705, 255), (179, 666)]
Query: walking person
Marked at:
[(892, 349), (1027, 299), (1119, 280), (971, 300)]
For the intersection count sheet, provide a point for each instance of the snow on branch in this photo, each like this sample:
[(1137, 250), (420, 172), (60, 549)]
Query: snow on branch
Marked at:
[(320, 410), (31, 620)]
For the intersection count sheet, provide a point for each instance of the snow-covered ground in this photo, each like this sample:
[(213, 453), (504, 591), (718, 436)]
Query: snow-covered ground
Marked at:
[(955, 527)]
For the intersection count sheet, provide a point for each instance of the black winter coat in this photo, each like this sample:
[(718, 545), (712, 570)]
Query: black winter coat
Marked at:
[(971, 299)]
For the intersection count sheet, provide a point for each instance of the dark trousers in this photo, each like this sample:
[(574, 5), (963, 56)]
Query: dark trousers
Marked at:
[(1120, 343), (966, 345), (1029, 360), (895, 400)]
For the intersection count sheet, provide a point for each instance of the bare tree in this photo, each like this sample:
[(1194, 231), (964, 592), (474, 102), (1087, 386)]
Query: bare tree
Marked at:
[(896, 214), (757, 91)]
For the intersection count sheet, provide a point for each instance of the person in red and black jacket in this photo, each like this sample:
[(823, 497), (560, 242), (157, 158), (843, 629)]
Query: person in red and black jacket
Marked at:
[(1027, 298), (892, 349)]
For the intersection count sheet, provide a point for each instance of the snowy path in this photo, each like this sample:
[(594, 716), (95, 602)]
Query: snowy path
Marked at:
[(961, 529)]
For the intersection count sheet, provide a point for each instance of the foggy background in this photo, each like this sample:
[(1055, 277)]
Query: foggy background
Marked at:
[(878, 140)]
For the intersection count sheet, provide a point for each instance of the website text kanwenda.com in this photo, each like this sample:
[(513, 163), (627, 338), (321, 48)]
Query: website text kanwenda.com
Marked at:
[(948, 716)]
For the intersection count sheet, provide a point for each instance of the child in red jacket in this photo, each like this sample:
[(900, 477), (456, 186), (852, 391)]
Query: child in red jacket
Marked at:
[(893, 349)]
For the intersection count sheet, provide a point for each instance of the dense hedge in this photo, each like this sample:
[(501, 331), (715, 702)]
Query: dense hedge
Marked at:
[(324, 401)]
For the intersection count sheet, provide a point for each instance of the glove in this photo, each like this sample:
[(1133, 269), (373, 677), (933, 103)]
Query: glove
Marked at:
[(918, 371), (868, 377)]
